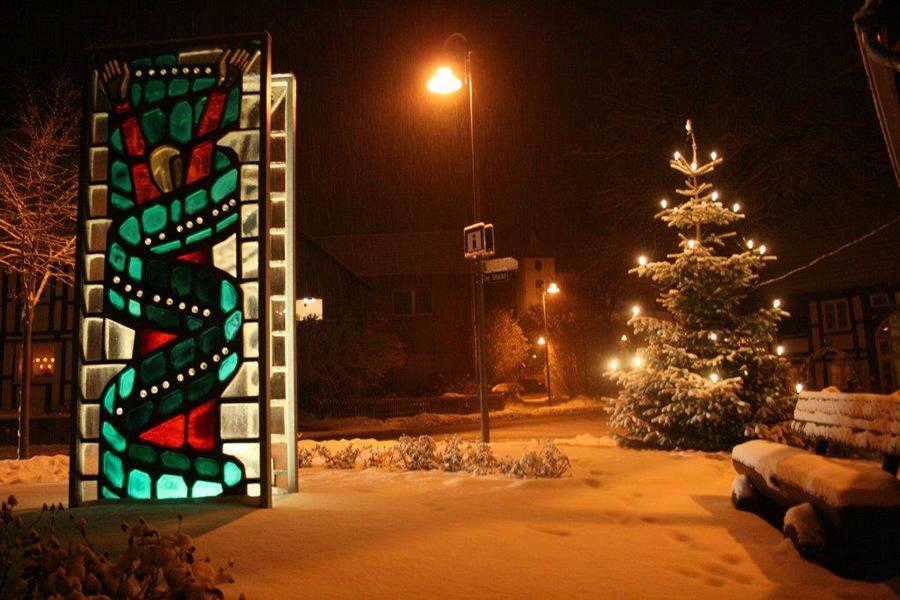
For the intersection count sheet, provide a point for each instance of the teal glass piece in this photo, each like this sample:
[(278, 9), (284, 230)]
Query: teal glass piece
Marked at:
[(232, 107), (224, 185), (111, 435), (112, 468), (109, 398), (222, 160), (195, 202), (130, 231), (203, 83), (226, 222), (108, 493), (119, 176), (153, 124), (180, 122), (166, 60), (200, 388), (116, 299), (163, 317), (115, 140), (199, 105), (134, 308), (167, 247), (120, 201), (182, 353), (126, 383), (231, 473), (135, 268), (182, 279), (194, 323), (179, 87), (227, 367), (153, 367), (116, 257), (155, 90), (198, 235), (233, 324), (210, 340), (141, 63), (154, 218), (175, 211), (143, 453), (205, 489), (229, 297), (136, 93), (175, 460), (171, 402), (206, 286), (139, 485), (206, 467), (171, 486)]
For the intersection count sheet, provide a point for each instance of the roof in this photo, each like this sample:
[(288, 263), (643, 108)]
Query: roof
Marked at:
[(413, 253)]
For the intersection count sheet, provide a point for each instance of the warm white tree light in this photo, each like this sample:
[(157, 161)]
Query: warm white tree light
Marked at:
[(779, 350), (664, 203), (776, 303), (799, 387), (762, 248), (677, 155), (635, 310), (624, 338), (642, 260), (713, 336), (736, 207), (714, 377), (715, 196), (614, 364), (750, 244), (691, 244), (637, 361), (713, 155)]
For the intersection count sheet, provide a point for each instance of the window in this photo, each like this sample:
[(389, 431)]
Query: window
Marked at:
[(412, 302), (539, 284), (538, 265), (835, 315), (879, 300), (43, 360)]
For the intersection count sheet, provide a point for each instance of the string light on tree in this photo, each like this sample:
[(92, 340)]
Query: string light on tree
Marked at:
[(762, 248), (736, 207), (715, 196), (636, 362), (779, 350), (714, 377), (642, 260), (635, 310), (614, 364), (750, 244), (664, 203), (713, 155), (624, 338), (713, 336), (776, 303), (798, 387)]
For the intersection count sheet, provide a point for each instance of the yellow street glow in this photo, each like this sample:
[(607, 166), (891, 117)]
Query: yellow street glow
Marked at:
[(541, 341), (553, 288), (444, 82), (624, 338)]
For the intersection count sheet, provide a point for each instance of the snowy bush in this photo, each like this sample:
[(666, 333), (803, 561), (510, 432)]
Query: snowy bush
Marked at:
[(452, 459), (480, 459), (547, 462), (418, 454), (152, 566), (345, 458), (305, 457)]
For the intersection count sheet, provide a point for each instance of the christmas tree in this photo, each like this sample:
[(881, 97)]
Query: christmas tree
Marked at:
[(708, 376)]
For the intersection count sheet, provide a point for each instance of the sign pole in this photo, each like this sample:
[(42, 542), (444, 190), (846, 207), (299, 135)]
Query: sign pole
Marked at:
[(482, 351)]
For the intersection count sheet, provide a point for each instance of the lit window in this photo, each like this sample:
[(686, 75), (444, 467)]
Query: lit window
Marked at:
[(43, 360), (835, 315)]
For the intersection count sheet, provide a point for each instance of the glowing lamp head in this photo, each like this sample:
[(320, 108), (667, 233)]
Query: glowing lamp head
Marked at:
[(624, 338), (552, 288), (444, 82), (779, 350), (541, 341), (642, 260), (799, 387), (635, 310)]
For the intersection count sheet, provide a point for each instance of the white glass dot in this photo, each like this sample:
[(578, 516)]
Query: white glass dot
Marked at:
[(148, 241), (154, 389), (179, 377), (206, 312), (165, 385), (152, 72), (195, 309), (179, 229), (139, 293), (216, 358), (203, 366), (185, 70), (189, 225), (169, 302), (199, 220), (215, 212), (138, 73), (156, 297), (196, 70), (162, 236), (225, 350), (208, 70), (127, 287), (143, 393), (224, 207), (117, 279), (120, 410), (181, 306), (192, 371)]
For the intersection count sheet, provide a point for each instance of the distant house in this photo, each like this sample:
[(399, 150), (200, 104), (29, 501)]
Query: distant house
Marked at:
[(534, 274)]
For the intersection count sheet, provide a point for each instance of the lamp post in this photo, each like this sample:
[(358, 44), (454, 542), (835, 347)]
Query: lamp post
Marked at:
[(545, 341), (445, 82)]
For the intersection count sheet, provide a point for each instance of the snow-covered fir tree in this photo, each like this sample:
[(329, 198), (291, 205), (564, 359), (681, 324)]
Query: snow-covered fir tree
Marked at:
[(709, 375)]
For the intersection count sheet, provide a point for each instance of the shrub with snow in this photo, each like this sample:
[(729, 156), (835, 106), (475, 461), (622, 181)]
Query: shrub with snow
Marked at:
[(452, 459), (480, 459), (418, 454), (345, 458), (548, 462)]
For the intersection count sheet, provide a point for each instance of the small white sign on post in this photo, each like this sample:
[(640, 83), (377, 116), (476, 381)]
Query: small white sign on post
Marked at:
[(497, 265), (478, 240)]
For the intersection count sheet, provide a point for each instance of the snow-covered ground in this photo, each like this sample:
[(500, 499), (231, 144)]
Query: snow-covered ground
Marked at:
[(625, 524)]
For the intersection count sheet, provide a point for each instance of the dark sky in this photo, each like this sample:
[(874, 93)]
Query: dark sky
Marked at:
[(578, 107)]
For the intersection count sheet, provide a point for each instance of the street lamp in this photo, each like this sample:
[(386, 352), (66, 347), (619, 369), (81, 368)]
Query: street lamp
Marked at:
[(445, 82), (551, 289)]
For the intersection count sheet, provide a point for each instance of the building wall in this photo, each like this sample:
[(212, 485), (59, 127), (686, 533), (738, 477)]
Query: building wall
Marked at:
[(534, 273)]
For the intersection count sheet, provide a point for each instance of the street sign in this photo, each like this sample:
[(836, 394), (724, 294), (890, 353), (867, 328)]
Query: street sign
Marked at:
[(478, 240), (499, 264), (496, 276)]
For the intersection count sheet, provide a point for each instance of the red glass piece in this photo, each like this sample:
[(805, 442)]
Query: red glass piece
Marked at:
[(169, 433), (200, 160), (212, 113), (151, 339), (200, 257), (134, 139), (123, 108), (144, 188), (202, 426)]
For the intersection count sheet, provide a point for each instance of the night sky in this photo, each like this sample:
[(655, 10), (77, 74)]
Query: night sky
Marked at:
[(578, 107)]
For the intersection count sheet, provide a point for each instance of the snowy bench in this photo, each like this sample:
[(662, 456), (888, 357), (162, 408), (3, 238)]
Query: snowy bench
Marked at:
[(839, 510)]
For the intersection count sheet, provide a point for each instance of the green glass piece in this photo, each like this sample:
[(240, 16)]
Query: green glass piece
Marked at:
[(119, 176), (153, 123), (120, 201), (126, 383), (203, 83), (154, 218), (165, 60), (210, 340), (143, 453), (129, 230), (224, 223), (195, 202), (155, 90), (205, 489), (116, 257), (135, 94), (175, 460), (198, 109), (232, 107), (153, 367), (206, 287), (171, 402), (175, 211), (138, 417), (233, 324), (198, 235), (157, 273), (165, 318), (182, 353), (112, 468), (179, 86), (231, 473), (182, 280), (171, 486), (200, 388), (222, 160), (134, 308), (116, 299), (135, 268), (206, 467), (139, 485), (194, 323), (180, 122), (228, 296), (224, 185), (109, 398), (115, 140), (112, 436), (141, 63), (227, 367), (167, 247), (108, 493)]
